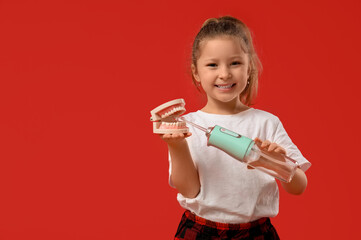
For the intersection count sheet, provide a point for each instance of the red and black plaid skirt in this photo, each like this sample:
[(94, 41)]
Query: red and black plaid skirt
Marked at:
[(193, 227)]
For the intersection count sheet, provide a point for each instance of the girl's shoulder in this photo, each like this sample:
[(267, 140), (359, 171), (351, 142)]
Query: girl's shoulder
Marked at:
[(262, 118), (263, 114)]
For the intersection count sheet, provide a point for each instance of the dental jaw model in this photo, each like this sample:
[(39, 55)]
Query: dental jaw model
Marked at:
[(164, 117)]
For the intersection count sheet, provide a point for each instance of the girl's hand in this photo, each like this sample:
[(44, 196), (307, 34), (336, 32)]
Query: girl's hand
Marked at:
[(174, 138), (298, 183), (269, 148)]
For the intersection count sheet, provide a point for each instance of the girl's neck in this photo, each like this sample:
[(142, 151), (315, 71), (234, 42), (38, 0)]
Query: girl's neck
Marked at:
[(224, 108)]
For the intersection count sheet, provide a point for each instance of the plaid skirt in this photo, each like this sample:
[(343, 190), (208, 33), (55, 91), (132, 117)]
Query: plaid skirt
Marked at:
[(193, 227)]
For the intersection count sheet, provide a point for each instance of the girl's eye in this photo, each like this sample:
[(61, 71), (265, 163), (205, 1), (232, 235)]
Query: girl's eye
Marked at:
[(211, 65), (236, 63)]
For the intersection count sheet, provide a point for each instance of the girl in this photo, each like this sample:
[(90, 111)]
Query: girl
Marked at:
[(223, 198)]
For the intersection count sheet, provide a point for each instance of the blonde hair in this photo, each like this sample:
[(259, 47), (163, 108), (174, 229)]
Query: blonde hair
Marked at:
[(232, 27)]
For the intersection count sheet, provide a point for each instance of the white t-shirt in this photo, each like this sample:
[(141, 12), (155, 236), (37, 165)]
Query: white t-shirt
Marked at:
[(231, 193)]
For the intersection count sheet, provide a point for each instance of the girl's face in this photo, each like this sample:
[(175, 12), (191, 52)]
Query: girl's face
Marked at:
[(222, 69)]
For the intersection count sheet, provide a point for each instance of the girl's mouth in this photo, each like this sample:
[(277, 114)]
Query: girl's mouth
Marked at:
[(225, 87)]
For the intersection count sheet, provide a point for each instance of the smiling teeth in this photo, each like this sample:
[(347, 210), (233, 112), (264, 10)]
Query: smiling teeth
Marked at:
[(225, 87), (167, 114)]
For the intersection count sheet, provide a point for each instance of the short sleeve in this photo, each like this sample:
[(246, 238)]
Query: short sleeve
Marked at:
[(281, 138)]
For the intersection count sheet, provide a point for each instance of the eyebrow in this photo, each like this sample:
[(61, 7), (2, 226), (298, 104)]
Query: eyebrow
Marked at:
[(232, 57), (237, 56)]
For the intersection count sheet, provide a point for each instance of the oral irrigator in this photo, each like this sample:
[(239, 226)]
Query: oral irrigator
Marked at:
[(246, 150)]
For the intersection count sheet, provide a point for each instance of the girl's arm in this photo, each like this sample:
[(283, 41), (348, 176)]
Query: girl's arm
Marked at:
[(298, 183), (184, 175)]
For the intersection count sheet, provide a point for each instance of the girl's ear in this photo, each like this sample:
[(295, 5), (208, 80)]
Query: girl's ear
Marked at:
[(194, 73)]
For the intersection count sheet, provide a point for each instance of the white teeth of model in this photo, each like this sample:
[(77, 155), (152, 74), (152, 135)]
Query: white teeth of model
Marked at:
[(167, 114)]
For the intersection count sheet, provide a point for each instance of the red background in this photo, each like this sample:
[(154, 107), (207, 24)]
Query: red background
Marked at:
[(78, 159)]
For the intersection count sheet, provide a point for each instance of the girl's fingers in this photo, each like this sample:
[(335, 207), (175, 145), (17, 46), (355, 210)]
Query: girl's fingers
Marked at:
[(272, 147), (167, 135), (265, 144), (182, 135), (188, 134), (175, 136), (280, 150)]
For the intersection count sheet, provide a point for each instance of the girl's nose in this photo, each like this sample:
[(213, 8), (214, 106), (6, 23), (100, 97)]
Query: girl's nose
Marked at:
[(224, 73)]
